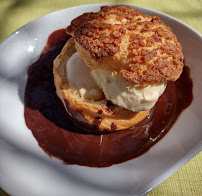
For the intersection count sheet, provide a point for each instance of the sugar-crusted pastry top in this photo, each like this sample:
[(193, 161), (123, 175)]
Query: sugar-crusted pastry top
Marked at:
[(141, 48)]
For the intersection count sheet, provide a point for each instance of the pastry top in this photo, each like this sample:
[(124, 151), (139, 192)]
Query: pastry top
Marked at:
[(141, 48)]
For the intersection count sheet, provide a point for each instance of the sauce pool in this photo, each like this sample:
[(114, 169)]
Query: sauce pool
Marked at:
[(61, 137)]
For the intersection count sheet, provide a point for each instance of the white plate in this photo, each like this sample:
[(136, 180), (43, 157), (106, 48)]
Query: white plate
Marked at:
[(24, 167)]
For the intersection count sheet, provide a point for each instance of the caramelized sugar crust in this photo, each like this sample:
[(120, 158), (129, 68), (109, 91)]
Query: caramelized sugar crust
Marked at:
[(141, 48)]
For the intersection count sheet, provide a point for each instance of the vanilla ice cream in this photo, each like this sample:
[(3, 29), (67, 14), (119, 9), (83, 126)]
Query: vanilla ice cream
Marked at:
[(80, 79), (126, 95), (92, 83)]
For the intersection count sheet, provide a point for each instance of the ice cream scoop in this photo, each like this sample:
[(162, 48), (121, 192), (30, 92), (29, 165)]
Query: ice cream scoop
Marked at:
[(79, 77), (126, 95), (92, 83)]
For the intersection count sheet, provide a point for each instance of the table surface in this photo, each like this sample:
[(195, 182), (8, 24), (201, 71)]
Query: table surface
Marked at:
[(16, 13)]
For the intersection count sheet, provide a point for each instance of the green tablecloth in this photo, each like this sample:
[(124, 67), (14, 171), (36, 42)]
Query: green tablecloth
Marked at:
[(16, 13)]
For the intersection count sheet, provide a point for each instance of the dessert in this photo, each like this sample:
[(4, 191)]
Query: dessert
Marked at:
[(62, 129), (118, 56)]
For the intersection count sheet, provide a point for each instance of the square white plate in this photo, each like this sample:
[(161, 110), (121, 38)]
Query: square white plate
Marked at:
[(24, 167)]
